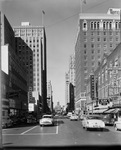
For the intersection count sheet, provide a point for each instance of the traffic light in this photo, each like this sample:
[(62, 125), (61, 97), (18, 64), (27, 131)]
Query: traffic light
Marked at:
[(92, 86)]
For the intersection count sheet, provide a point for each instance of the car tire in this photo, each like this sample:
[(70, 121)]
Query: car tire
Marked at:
[(86, 128), (101, 129), (115, 127)]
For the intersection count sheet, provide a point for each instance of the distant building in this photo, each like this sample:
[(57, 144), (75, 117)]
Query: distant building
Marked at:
[(50, 95), (97, 34), (58, 108), (70, 84)]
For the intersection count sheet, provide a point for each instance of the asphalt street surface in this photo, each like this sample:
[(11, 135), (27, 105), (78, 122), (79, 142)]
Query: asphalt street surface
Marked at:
[(63, 133)]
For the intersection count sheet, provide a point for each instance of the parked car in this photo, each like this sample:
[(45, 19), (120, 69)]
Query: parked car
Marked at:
[(93, 122), (74, 117), (108, 119), (7, 122), (46, 120), (117, 125), (69, 114)]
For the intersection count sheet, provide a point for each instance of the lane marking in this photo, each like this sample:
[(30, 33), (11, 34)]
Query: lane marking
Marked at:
[(28, 130), (31, 134), (57, 129)]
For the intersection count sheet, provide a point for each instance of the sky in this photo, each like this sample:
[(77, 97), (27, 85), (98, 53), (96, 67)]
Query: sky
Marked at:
[(61, 25)]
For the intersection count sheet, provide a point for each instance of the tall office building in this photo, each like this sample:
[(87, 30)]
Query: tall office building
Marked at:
[(66, 88), (70, 80), (50, 95), (35, 39), (97, 34), (14, 83)]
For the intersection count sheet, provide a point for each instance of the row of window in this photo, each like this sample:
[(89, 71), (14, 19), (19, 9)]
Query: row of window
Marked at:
[(103, 32), (106, 25), (99, 45), (103, 39)]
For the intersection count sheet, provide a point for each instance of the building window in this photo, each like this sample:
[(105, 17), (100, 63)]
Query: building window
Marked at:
[(110, 25), (111, 45), (98, 45), (104, 25), (92, 39), (107, 25), (84, 45), (98, 25), (104, 39), (92, 33), (104, 33), (98, 39), (117, 39), (84, 25), (117, 25), (105, 45), (85, 33), (92, 45), (98, 33), (85, 39), (91, 25), (111, 33), (111, 39), (117, 33), (98, 50), (92, 51), (95, 26), (85, 51)]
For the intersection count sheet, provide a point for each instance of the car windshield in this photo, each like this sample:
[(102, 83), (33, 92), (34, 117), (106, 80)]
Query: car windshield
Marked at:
[(47, 117)]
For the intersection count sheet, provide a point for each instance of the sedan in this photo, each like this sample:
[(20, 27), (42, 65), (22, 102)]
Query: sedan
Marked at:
[(46, 120), (74, 117), (117, 125), (93, 122)]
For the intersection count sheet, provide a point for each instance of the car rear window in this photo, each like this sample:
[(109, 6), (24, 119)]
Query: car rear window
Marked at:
[(94, 117)]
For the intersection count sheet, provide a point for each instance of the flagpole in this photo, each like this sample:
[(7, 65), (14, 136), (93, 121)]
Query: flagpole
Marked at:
[(42, 19), (43, 13), (80, 6)]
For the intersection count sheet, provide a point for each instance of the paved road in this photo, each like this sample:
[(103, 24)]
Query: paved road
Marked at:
[(64, 133)]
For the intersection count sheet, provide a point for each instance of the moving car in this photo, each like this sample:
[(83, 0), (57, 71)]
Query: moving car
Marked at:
[(93, 122), (117, 125), (46, 120), (108, 119), (74, 117)]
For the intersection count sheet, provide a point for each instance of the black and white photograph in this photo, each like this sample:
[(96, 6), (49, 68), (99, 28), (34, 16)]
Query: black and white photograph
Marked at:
[(60, 74)]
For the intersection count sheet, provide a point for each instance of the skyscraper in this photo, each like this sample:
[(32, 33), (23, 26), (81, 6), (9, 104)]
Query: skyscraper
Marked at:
[(97, 34), (34, 38)]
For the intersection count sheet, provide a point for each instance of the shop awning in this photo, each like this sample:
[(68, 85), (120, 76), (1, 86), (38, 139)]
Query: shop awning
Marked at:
[(114, 110), (99, 110)]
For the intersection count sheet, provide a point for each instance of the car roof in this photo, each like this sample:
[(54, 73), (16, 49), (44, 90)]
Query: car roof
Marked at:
[(47, 115)]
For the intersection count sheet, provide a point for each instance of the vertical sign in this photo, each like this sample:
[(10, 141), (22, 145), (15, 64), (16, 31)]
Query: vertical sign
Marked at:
[(92, 86)]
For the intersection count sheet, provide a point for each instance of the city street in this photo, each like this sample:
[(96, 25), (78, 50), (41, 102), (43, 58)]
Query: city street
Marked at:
[(64, 133)]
